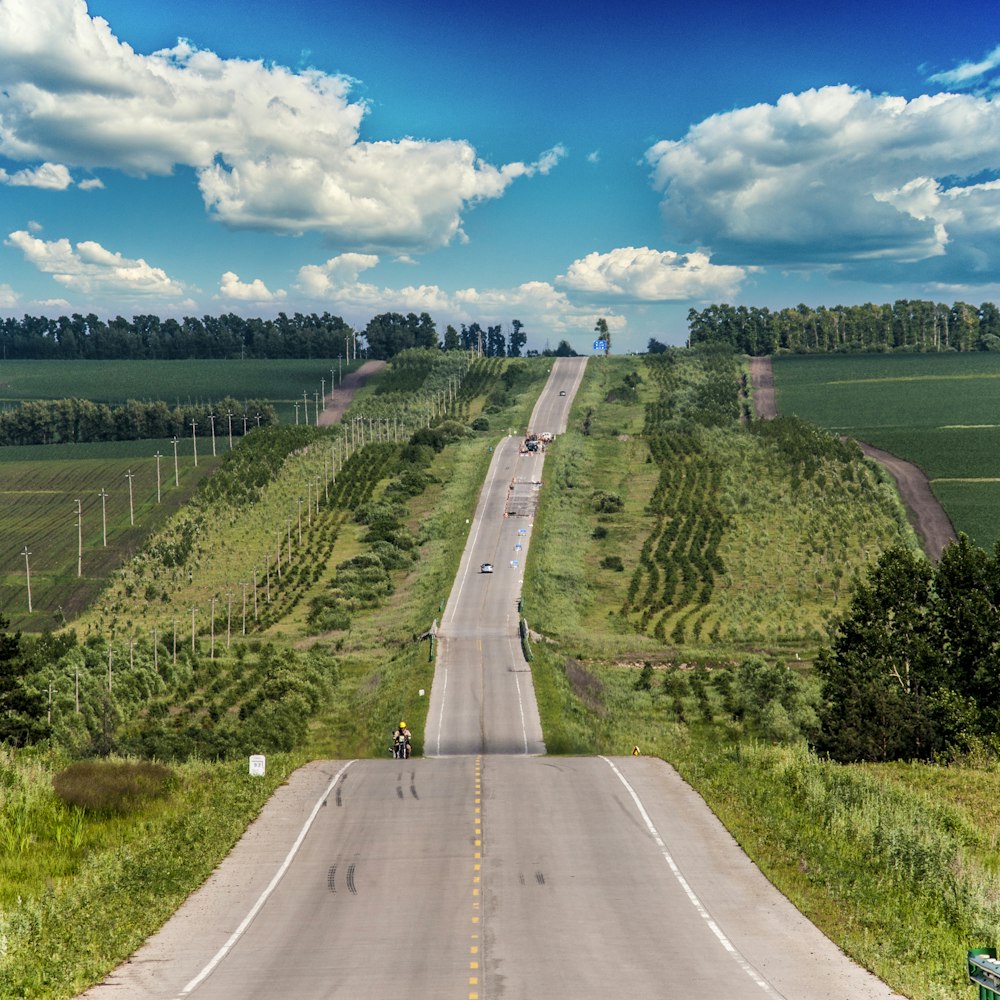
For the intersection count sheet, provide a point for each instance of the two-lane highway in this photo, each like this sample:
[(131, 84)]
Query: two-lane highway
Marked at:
[(489, 871)]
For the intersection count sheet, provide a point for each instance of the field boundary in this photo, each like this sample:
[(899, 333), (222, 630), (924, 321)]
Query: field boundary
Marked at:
[(928, 517)]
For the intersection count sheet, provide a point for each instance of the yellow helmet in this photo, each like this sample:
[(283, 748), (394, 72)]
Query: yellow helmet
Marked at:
[(402, 725)]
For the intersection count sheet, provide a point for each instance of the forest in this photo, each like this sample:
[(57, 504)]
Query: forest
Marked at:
[(906, 325), (149, 337)]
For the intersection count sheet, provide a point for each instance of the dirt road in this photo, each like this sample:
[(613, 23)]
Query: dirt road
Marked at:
[(926, 515), (340, 399)]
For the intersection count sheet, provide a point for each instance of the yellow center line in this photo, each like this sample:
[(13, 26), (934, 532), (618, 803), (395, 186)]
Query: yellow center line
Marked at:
[(476, 878)]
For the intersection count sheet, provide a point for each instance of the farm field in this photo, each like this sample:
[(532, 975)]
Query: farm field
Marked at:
[(281, 381), (940, 411), (39, 487)]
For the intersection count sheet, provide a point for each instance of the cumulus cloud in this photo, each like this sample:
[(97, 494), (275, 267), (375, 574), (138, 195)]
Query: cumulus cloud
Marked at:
[(230, 287), (839, 177), (90, 268), (91, 184), (538, 304), (272, 148), (51, 176), (8, 297), (644, 275)]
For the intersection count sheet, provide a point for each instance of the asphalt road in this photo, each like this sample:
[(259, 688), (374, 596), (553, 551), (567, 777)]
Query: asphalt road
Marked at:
[(486, 869)]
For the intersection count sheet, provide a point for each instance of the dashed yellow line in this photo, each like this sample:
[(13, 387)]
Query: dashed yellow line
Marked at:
[(477, 857)]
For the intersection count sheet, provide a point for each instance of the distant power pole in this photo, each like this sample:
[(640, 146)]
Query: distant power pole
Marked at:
[(27, 575), (158, 456), (104, 515), (79, 538), (194, 441), (177, 476), (131, 508), (211, 417)]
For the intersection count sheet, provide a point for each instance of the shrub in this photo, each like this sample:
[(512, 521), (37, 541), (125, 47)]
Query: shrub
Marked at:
[(612, 562), (480, 424), (107, 786), (599, 532), (606, 503)]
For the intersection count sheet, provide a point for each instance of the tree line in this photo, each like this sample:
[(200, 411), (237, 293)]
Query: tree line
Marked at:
[(906, 325), (148, 337), (56, 421), (913, 669)]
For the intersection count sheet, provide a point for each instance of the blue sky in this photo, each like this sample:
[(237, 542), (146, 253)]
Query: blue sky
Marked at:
[(550, 162)]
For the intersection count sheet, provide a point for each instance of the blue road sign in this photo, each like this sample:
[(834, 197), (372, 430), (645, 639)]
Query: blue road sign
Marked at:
[(600, 345)]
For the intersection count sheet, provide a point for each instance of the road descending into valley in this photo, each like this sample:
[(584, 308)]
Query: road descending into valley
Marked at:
[(487, 869)]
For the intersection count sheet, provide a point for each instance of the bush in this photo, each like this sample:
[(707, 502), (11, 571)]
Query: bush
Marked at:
[(599, 532), (480, 424), (107, 786), (612, 562), (606, 503)]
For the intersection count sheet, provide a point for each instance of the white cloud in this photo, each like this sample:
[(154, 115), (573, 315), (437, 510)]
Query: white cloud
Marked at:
[(837, 177), (230, 287), (967, 73), (91, 184), (51, 176), (538, 304), (92, 269), (272, 148), (594, 157), (8, 297), (645, 275)]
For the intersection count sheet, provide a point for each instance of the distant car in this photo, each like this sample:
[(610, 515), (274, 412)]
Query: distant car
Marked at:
[(562, 392), (486, 568)]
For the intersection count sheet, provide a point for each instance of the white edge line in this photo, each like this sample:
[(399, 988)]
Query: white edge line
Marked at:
[(248, 919), (444, 692), (691, 895)]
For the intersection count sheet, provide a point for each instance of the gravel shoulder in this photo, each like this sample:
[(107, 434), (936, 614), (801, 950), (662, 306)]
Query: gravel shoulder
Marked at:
[(927, 516)]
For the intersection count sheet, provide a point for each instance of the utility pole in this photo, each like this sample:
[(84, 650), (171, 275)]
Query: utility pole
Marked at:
[(305, 407), (212, 631), (131, 509), (322, 386), (229, 413), (211, 417), (158, 456), (104, 514), (27, 575), (79, 538), (316, 406), (177, 475), (296, 414), (194, 441)]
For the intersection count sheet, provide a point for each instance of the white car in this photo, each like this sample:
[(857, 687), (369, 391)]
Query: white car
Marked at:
[(486, 568)]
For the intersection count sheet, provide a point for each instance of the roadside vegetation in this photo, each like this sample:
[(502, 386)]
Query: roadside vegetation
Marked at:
[(697, 588), (895, 861), (322, 671)]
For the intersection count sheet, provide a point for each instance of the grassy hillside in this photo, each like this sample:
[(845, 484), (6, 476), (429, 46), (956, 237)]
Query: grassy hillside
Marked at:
[(937, 410)]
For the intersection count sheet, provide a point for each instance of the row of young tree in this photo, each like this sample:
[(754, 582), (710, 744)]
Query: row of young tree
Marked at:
[(88, 337), (907, 324), (913, 669)]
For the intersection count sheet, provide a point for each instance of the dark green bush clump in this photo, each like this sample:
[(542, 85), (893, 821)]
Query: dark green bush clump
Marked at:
[(613, 562), (107, 786)]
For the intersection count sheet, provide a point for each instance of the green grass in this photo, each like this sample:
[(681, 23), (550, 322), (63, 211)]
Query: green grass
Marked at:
[(172, 381), (791, 543), (940, 411), (38, 511)]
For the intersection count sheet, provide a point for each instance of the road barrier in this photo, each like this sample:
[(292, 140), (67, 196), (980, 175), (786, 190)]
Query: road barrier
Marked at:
[(984, 972)]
